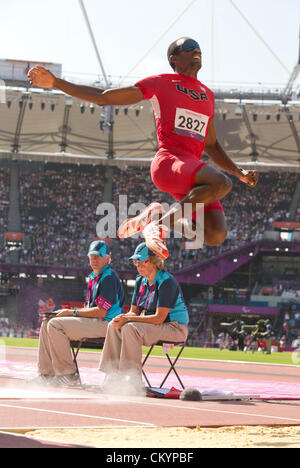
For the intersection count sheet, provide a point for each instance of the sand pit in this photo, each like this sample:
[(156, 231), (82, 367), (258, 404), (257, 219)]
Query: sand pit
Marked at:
[(199, 437)]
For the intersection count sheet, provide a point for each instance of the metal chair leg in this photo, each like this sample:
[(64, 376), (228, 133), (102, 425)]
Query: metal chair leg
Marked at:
[(172, 367), (171, 363), (75, 354)]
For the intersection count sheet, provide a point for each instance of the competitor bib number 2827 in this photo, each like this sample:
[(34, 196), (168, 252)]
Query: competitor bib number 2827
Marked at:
[(191, 124)]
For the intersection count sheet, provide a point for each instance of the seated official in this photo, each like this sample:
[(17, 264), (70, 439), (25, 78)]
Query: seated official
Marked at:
[(158, 312), (105, 301)]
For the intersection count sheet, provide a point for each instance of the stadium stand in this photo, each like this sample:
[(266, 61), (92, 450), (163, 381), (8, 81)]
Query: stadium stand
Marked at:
[(61, 164), (58, 212), (59, 205), (4, 198), (249, 212)]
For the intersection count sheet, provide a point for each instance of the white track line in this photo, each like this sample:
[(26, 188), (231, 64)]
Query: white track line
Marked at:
[(197, 408), (77, 415), (191, 408)]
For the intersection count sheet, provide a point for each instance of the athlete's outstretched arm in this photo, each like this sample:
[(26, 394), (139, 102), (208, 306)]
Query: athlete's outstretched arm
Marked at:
[(218, 155), (39, 76)]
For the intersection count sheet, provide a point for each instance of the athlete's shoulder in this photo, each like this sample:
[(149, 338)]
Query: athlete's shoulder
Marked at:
[(169, 77), (206, 88), (160, 78), (148, 85)]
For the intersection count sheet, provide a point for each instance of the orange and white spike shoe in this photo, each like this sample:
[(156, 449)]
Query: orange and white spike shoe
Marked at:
[(132, 226), (155, 238)]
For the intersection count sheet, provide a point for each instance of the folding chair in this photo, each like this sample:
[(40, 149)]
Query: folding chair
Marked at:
[(76, 345), (166, 345)]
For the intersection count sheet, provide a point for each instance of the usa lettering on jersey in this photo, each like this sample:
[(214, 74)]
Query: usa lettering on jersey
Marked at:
[(192, 93)]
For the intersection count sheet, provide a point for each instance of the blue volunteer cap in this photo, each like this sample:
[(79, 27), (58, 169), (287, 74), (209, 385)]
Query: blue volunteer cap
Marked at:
[(142, 252), (99, 248), (184, 43)]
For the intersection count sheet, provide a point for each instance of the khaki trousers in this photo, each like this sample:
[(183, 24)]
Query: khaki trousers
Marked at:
[(122, 351), (55, 356)]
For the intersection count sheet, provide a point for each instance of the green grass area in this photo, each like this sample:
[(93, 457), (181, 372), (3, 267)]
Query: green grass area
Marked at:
[(20, 342), (225, 355), (195, 353)]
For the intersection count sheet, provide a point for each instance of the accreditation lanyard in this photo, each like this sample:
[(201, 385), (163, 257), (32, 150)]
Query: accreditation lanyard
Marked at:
[(141, 294), (92, 283)]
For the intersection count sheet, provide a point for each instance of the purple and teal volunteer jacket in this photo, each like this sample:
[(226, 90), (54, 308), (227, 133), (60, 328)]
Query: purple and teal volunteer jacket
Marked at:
[(105, 290), (164, 292)]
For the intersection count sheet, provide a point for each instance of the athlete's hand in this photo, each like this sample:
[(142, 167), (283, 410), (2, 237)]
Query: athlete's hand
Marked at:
[(39, 76), (249, 177)]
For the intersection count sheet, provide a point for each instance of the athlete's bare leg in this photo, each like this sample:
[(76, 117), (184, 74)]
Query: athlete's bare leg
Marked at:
[(210, 185), (215, 228)]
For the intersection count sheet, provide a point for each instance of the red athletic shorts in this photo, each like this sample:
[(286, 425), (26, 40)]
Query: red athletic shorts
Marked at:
[(176, 175)]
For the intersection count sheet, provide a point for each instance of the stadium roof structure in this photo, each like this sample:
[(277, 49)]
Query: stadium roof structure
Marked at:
[(257, 128), (45, 125)]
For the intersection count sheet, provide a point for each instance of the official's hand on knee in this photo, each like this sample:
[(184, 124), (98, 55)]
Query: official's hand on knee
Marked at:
[(64, 313), (119, 321)]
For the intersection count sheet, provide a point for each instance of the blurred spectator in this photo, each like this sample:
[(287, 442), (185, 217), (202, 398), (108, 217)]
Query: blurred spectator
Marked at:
[(282, 343), (296, 342)]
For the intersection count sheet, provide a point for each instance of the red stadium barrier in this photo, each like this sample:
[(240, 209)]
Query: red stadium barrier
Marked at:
[(72, 305)]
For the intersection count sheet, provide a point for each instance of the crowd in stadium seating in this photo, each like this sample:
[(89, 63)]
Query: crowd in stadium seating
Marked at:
[(249, 212), (4, 206), (58, 212), (4, 198)]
